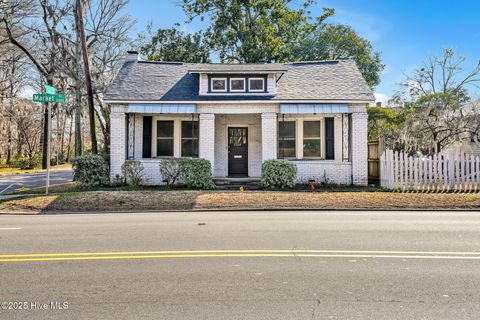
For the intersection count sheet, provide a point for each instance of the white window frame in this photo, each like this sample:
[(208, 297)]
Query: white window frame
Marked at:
[(218, 78), (197, 137), (321, 137), (165, 138), (256, 90), (238, 90), (294, 139)]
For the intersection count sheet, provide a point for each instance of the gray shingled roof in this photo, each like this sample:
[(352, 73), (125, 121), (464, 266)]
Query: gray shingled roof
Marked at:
[(157, 81), (238, 67)]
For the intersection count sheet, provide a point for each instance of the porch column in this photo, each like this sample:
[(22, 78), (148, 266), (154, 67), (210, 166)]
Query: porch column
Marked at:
[(118, 142), (269, 136), (359, 148), (207, 138)]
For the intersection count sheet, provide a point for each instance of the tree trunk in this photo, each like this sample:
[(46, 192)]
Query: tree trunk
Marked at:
[(88, 79), (78, 101), (69, 141), (9, 140)]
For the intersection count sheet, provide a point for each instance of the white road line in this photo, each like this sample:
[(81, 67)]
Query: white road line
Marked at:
[(13, 228), (6, 189)]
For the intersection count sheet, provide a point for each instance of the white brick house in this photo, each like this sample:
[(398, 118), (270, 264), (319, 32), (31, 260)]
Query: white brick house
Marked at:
[(239, 115)]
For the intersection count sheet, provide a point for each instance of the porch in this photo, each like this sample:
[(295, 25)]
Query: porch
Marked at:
[(237, 139)]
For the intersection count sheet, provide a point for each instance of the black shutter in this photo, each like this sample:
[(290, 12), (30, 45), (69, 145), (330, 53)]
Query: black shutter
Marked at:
[(329, 139), (147, 137)]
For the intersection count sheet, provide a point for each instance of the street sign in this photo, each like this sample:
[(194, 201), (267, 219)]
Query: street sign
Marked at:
[(49, 98), (50, 90)]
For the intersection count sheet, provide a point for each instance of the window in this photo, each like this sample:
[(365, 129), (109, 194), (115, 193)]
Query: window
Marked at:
[(286, 139), (219, 84), (237, 84), (256, 84), (164, 138), (189, 138), (311, 139)]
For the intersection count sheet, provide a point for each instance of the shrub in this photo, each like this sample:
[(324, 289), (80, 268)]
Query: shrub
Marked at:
[(278, 174), (132, 170), (24, 162), (90, 170), (171, 170), (118, 181), (197, 174)]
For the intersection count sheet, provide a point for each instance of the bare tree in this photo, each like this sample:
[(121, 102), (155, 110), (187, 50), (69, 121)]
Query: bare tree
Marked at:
[(34, 28), (440, 94)]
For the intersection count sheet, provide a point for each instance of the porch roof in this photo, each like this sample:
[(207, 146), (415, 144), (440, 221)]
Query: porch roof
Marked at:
[(161, 108), (316, 108)]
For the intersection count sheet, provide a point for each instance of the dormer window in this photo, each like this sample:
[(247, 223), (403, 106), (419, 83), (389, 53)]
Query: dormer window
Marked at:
[(219, 84), (237, 84), (256, 84)]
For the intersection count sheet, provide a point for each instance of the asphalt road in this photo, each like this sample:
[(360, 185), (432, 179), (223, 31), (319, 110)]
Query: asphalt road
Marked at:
[(10, 183), (242, 265)]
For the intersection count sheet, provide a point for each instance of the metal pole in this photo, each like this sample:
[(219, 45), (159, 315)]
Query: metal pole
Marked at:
[(49, 128)]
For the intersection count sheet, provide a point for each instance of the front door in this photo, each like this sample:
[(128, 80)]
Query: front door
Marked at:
[(237, 151)]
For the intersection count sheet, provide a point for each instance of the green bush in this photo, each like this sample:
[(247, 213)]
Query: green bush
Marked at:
[(132, 170), (197, 174), (278, 174), (24, 162), (171, 170), (90, 170)]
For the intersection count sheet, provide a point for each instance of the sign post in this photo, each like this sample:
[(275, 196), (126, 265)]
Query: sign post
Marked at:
[(49, 96)]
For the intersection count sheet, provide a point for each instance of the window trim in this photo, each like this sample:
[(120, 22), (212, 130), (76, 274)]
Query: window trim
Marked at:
[(164, 138), (195, 137), (218, 78), (256, 90), (295, 138), (238, 90), (320, 137)]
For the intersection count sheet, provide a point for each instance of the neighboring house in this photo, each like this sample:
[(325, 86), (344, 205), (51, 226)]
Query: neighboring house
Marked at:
[(239, 115), (469, 146)]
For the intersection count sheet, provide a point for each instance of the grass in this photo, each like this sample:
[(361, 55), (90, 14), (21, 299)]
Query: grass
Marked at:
[(10, 170), (89, 201)]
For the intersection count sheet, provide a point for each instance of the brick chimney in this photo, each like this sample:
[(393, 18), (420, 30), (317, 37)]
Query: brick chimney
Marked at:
[(131, 56)]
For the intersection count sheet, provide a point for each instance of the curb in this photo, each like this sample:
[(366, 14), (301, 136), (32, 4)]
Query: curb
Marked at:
[(226, 210)]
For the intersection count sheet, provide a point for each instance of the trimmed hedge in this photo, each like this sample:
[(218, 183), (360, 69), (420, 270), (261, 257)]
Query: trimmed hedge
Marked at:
[(90, 170), (197, 174), (278, 174)]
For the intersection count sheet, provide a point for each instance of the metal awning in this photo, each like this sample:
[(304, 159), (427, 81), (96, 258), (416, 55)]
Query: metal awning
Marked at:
[(308, 108), (161, 108)]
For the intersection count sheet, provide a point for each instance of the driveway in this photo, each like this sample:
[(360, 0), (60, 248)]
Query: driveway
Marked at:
[(15, 182)]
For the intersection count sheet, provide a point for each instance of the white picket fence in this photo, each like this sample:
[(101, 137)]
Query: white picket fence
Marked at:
[(444, 172)]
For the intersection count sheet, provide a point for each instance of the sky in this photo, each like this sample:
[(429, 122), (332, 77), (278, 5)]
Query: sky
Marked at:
[(405, 32)]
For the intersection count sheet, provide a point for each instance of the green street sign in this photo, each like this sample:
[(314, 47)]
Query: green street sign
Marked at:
[(50, 90), (49, 98)]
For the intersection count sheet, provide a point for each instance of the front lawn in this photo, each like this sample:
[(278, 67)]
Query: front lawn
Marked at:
[(91, 201)]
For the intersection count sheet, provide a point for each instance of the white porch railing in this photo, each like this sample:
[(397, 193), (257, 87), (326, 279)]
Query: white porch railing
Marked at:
[(445, 172)]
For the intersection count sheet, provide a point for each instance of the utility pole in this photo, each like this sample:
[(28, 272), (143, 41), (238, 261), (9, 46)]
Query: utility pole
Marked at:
[(88, 78)]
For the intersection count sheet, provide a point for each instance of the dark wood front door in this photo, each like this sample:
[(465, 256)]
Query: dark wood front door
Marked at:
[(237, 151)]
